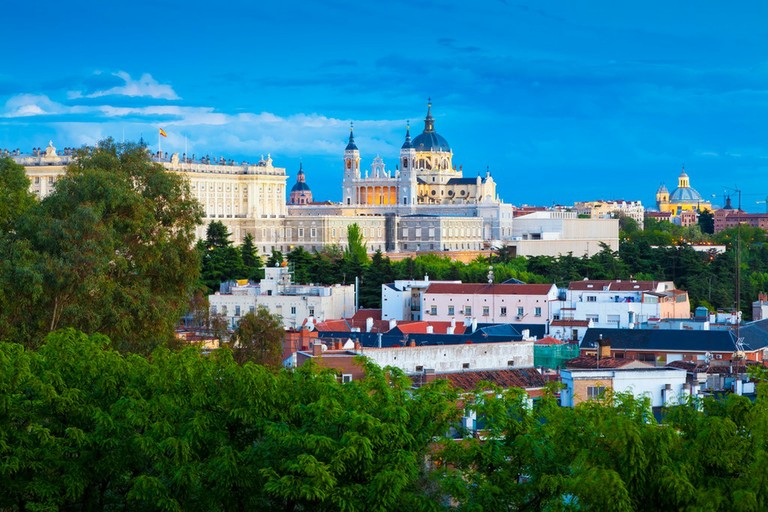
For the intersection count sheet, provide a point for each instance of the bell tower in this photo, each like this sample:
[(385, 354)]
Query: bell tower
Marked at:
[(407, 195), (351, 169)]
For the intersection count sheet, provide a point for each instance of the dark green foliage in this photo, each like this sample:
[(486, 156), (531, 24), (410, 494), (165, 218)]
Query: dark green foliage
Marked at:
[(110, 251), (259, 338), (84, 428), (252, 264), (221, 261)]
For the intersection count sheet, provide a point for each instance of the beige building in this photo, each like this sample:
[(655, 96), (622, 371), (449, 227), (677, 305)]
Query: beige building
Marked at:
[(608, 209), (556, 233)]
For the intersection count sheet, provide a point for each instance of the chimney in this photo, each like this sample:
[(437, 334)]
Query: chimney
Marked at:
[(429, 375), (430, 329), (474, 323), (368, 324), (392, 324), (426, 277), (453, 321), (378, 340), (357, 345), (604, 347), (450, 330), (317, 349)]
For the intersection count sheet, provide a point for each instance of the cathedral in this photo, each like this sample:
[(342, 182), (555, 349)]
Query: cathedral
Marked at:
[(683, 198), (425, 175)]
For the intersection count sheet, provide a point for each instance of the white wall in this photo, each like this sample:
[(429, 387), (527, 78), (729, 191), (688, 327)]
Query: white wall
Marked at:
[(451, 358)]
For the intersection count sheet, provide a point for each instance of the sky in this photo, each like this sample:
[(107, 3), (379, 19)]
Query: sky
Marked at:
[(562, 101)]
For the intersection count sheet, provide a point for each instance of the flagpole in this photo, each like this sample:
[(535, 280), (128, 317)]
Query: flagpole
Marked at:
[(159, 143)]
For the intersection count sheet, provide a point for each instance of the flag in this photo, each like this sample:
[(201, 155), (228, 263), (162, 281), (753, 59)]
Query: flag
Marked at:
[(162, 132)]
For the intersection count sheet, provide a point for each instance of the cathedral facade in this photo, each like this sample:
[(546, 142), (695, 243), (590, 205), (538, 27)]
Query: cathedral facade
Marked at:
[(424, 175)]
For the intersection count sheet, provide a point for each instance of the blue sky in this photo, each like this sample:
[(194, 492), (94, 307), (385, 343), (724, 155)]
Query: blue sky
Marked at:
[(562, 101)]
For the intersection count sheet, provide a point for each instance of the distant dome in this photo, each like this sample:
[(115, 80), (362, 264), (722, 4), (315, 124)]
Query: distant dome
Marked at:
[(685, 195), (300, 186), (662, 189), (430, 140)]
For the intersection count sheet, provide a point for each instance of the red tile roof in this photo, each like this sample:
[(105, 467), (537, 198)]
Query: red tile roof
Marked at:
[(526, 378), (364, 313), (570, 323), (489, 289), (590, 361), (418, 327), (549, 340)]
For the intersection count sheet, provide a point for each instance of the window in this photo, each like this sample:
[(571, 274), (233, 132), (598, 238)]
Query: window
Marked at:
[(313, 232), (237, 310), (594, 318), (301, 232), (311, 311), (594, 392), (614, 319), (465, 365), (333, 232), (504, 311), (511, 362), (468, 310), (251, 309), (293, 310), (451, 311), (418, 233), (224, 310), (433, 310), (346, 378), (537, 311), (486, 311), (591, 298), (213, 310), (520, 311)]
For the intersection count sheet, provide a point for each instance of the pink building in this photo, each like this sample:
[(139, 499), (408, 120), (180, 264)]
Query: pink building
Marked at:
[(489, 303)]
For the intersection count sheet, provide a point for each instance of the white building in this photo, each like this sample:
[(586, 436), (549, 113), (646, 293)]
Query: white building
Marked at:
[(401, 300), (294, 303), (489, 303), (621, 303), (555, 233), (664, 386)]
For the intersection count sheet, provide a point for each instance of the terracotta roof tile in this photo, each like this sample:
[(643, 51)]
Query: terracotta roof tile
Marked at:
[(549, 340), (526, 378), (590, 361), (570, 323)]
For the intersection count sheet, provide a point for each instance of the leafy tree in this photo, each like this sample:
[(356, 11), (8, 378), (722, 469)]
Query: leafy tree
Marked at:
[(15, 197), (113, 244), (302, 265), (377, 273), (259, 338), (707, 222), (221, 261)]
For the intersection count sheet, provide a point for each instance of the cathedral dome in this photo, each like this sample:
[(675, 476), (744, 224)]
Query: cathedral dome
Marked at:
[(430, 140), (685, 195)]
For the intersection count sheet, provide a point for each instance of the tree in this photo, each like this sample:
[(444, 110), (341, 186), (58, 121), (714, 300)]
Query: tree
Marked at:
[(113, 244), (378, 272), (252, 264), (259, 338), (221, 261), (707, 222), (15, 197)]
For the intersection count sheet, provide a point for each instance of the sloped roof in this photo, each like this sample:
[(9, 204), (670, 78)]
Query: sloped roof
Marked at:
[(549, 340), (525, 378), (570, 323), (421, 327), (489, 289), (614, 286), (755, 338), (590, 361)]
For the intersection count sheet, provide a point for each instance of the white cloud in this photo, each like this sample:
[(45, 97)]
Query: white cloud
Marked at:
[(28, 105), (144, 87)]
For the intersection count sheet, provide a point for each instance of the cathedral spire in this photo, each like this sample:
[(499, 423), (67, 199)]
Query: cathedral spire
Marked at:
[(351, 146), (407, 144), (429, 122)]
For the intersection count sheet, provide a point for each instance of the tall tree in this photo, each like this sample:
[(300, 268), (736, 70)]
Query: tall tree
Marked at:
[(113, 244), (221, 261), (259, 338), (252, 264)]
